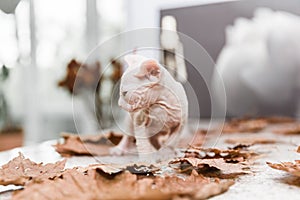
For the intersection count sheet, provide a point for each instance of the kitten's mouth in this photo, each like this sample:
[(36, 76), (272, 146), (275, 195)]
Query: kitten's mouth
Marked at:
[(129, 108), (124, 105)]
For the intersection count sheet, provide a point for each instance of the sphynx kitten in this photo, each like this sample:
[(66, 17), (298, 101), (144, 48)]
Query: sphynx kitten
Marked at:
[(157, 106)]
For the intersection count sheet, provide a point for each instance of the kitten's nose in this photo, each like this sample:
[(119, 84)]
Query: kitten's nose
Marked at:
[(124, 93)]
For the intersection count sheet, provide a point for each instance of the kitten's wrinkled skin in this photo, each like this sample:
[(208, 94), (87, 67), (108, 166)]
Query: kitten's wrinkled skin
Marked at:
[(156, 103)]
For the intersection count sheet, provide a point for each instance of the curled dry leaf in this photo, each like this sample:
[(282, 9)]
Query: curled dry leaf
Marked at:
[(250, 141), (72, 184), (247, 124), (240, 147), (107, 169), (93, 184), (140, 169), (244, 125), (292, 168), (85, 76), (229, 155), (209, 164), (20, 171), (193, 187), (289, 128), (210, 161), (278, 119), (87, 145)]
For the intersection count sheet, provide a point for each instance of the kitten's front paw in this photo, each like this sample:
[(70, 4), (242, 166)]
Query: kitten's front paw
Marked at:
[(117, 151)]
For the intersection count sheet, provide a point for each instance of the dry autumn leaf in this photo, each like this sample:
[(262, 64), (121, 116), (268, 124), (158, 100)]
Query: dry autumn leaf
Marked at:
[(20, 171), (212, 161), (72, 184), (229, 155), (185, 164), (194, 187), (278, 119), (205, 164), (250, 141), (289, 128), (102, 181), (87, 145), (292, 168), (94, 184), (85, 76), (247, 124), (140, 169), (244, 125), (108, 169)]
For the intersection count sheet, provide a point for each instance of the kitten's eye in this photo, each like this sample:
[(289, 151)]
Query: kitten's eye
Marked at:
[(124, 93)]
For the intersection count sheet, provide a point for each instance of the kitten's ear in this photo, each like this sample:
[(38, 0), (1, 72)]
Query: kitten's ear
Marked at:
[(133, 60), (149, 69)]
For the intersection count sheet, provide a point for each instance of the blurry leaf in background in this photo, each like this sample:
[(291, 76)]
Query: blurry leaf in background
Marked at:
[(85, 76)]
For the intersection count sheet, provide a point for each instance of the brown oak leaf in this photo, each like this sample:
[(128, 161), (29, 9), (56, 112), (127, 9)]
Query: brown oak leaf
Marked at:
[(107, 169), (140, 168), (289, 128), (244, 125), (248, 124), (278, 119), (87, 145), (229, 155), (195, 186), (212, 161), (93, 184), (20, 171), (209, 164), (292, 168), (84, 75)]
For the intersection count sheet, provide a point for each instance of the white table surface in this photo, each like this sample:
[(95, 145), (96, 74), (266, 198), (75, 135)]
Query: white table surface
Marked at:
[(263, 183)]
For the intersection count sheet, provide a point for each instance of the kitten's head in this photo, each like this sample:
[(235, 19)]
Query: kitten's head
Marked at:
[(138, 82)]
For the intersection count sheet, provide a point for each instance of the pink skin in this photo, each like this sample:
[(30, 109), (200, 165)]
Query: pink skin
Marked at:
[(154, 100), (142, 97)]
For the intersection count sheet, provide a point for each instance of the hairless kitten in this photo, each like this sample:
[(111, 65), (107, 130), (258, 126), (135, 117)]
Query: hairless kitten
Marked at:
[(156, 103)]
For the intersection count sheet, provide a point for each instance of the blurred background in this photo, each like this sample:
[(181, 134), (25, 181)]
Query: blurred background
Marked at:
[(253, 48)]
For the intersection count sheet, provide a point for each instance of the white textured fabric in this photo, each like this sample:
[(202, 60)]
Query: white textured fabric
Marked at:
[(260, 63)]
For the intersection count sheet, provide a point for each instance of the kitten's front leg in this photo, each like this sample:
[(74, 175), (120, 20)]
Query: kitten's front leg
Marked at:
[(125, 146), (144, 147)]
